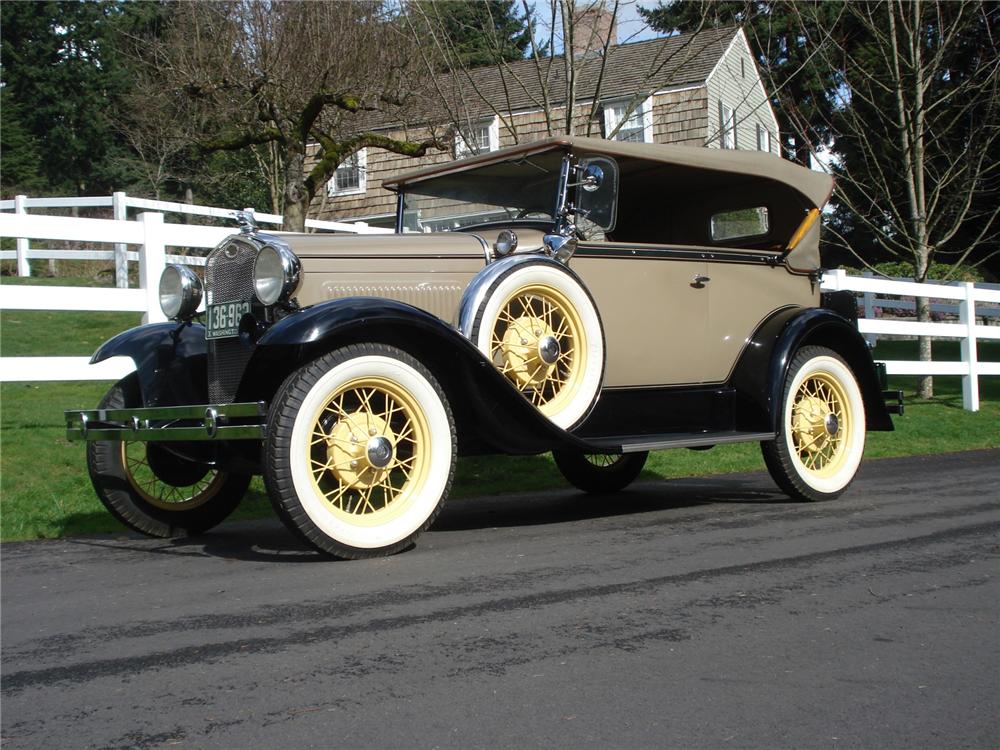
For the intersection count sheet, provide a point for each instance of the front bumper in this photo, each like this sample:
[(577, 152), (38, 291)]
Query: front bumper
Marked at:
[(244, 421)]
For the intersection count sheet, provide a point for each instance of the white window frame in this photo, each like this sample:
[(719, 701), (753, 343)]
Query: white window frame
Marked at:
[(643, 108), (362, 167), (763, 138), (727, 126), (462, 147)]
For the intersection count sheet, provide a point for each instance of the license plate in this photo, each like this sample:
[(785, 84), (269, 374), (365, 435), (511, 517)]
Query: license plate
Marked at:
[(223, 319)]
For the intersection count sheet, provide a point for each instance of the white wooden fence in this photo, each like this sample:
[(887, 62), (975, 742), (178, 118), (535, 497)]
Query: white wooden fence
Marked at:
[(968, 330), (152, 236), (120, 203)]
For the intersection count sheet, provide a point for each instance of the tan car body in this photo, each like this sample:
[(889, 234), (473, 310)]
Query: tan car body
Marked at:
[(594, 299)]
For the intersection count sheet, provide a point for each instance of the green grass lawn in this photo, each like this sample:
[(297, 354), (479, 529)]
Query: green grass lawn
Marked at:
[(45, 491)]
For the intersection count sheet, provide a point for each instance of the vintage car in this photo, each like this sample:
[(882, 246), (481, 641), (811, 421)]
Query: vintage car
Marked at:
[(591, 298)]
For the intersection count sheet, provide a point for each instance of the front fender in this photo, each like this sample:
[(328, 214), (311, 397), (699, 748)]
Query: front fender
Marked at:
[(762, 370), (490, 412), (170, 361)]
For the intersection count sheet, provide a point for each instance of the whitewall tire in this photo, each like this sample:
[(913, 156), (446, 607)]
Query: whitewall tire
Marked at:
[(360, 452), (821, 438)]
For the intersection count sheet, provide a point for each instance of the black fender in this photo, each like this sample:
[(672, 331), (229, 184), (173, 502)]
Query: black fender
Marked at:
[(170, 361), (760, 373), (492, 415)]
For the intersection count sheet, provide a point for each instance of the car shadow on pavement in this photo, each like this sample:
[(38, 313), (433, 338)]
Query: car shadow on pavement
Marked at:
[(267, 540), (564, 506)]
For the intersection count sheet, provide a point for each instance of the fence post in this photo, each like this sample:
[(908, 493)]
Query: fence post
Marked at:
[(152, 259), (970, 357), (23, 267), (868, 301), (120, 209)]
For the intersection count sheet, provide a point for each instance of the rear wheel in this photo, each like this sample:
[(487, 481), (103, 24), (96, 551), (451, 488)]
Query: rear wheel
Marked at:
[(599, 472), (360, 451), (822, 434), (152, 490)]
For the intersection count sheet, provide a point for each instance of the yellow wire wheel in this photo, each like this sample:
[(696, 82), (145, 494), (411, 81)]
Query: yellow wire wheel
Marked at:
[(820, 426), (360, 451), (166, 482), (152, 489), (822, 434), (541, 330), (369, 450)]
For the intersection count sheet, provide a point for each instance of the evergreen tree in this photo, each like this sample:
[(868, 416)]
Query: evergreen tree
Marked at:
[(477, 33), (60, 82)]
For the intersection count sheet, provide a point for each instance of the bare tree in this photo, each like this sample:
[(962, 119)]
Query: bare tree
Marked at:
[(917, 129), (294, 80)]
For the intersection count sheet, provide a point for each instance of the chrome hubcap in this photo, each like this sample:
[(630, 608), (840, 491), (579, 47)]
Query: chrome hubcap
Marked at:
[(379, 452), (548, 350)]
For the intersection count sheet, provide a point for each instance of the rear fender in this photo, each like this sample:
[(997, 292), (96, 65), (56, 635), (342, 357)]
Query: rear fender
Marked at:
[(761, 372), (170, 361), (491, 414)]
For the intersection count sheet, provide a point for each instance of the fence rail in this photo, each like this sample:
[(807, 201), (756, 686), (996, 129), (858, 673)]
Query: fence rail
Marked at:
[(152, 236), (967, 330), (120, 203)]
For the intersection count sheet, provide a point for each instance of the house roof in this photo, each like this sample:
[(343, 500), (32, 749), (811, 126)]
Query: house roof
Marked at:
[(638, 68)]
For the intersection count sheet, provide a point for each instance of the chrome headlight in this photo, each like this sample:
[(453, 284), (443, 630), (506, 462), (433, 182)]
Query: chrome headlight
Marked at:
[(180, 292), (276, 274), (506, 243)]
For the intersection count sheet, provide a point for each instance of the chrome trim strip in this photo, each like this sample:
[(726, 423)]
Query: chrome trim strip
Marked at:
[(697, 440), (487, 252), (171, 434), (646, 252), (135, 424)]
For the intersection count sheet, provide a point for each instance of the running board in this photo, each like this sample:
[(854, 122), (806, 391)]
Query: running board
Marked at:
[(638, 443)]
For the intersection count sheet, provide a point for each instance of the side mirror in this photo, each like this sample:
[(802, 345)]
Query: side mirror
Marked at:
[(596, 197)]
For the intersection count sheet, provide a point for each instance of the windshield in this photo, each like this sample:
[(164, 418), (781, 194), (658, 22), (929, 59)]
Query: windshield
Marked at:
[(522, 188)]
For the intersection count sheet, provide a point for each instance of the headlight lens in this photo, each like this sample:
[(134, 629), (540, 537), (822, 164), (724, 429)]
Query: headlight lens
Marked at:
[(180, 292), (275, 274)]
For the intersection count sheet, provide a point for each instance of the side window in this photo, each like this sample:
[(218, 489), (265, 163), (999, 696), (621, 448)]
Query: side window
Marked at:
[(477, 138), (350, 177), (727, 126), (633, 120), (763, 138), (740, 224)]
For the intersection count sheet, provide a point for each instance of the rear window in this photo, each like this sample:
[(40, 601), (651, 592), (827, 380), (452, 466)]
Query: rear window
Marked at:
[(740, 224)]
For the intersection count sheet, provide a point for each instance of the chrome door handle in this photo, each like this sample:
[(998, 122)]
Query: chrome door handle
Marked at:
[(699, 281)]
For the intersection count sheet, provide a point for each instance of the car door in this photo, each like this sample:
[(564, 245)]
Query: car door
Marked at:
[(653, 303)]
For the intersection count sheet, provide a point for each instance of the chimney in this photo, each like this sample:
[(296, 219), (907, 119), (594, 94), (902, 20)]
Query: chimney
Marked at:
[(593, 25)]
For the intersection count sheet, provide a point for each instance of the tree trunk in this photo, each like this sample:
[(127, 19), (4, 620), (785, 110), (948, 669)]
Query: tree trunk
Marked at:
[(296, 195), (295, 215), (925, 384)]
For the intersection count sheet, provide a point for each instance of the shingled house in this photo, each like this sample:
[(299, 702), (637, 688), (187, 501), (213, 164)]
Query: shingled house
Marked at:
[(700, 89)]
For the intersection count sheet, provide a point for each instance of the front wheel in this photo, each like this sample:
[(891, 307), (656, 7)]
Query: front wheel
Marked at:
[(599, 473), (360, 451), (822, 433), (155, 491)]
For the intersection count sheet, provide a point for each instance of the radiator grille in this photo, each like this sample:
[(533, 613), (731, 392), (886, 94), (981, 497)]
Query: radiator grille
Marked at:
[(228, 278)]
